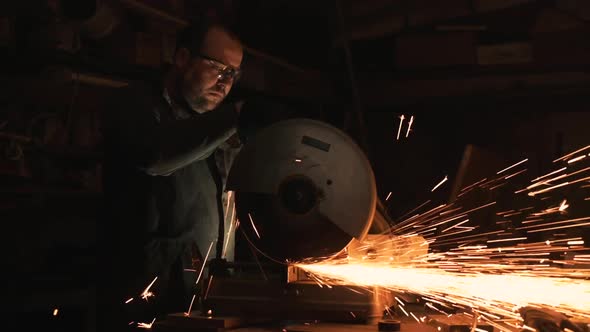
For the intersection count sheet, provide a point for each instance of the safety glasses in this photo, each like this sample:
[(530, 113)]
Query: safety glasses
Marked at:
[(223, 71)]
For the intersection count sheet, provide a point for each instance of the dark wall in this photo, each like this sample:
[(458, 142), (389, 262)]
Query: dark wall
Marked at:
[(537, 128)]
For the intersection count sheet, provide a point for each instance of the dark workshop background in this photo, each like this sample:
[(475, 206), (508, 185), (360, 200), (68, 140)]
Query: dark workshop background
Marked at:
[(509, 77)]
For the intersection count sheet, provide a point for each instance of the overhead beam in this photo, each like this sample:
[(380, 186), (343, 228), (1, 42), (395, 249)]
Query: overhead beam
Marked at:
[(180, 23), (399, 92), (391, 17)]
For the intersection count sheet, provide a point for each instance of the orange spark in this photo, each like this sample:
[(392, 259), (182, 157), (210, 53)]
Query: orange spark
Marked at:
[(129, 300), (568, 221), (509, 167), (475, 184), (549, 174), (401, 121), (231, 224), (55, 311), (253, 226), (204, 262), (578, 158), (229, 194), (410, 126), (208, 286), (506, 240), (533, 193), (146, 325), (571, 154), (190, 307), (388, 195), (563, 206), (146, 292), (440, 183), (515, 174), (575, 243), (461, 223), (558, 227), (404, 311)]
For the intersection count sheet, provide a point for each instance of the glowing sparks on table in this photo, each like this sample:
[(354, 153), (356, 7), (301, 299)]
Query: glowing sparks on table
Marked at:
[(146, 292), (470, 266), (146, 325), (493, 292), (190, 307), (204, 263)]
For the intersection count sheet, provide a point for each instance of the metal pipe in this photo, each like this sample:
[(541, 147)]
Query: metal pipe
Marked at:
[(15, 137), (356, 98), (98, 80), (154, 12)]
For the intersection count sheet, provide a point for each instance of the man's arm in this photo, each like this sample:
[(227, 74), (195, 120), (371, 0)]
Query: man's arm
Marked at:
[(160, 147), (181, 142)]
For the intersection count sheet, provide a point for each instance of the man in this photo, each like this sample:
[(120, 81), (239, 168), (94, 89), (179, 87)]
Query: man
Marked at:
[(162, 185)]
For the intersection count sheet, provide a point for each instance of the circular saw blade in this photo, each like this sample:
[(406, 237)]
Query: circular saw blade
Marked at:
[(303, 189)]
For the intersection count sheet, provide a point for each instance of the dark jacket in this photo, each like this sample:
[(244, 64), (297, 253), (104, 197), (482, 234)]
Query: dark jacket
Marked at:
[(162, 186)]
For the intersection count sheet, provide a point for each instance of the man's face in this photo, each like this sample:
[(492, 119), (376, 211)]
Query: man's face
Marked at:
[(207, 77)]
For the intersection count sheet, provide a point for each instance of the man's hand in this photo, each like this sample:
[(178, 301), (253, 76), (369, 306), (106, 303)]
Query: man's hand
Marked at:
[(234, 141)]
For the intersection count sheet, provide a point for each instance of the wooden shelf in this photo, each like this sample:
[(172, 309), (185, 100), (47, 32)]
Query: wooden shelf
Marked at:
[(18, 63)]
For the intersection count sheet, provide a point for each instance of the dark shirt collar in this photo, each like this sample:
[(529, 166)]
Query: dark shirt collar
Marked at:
[(179, 112)]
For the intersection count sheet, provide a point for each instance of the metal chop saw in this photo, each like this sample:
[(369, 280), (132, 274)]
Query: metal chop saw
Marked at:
[(303, 189)]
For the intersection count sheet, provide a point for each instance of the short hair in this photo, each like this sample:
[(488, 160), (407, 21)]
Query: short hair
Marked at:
[(192, 36)]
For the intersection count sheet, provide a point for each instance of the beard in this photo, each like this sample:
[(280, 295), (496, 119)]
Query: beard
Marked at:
[(198, 104), (198, 101)]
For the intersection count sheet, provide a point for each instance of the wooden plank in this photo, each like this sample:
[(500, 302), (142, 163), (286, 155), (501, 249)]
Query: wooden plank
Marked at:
[(551, 20), (276, 80), (148, 49), (363, 8), (427, 11), (387, 92), (491, 5), (579, 8), (456, 323), (562, 47), (406, 326), (507, 53), (375, 28), (198, 321), (436, 49), (6, 31), (372, 19)]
